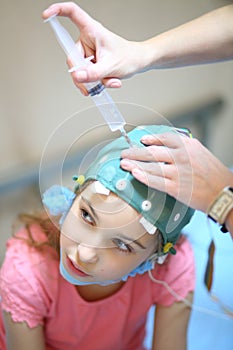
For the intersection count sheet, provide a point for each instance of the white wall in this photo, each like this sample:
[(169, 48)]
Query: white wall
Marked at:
[(37, 93)]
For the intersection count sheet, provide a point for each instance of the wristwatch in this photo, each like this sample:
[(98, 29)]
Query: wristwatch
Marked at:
[(221, 207)]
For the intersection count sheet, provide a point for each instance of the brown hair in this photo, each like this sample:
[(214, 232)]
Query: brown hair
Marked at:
[(48, 226)]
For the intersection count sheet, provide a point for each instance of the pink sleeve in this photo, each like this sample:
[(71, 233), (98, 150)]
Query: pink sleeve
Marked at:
[(27, 283), (176, 277)]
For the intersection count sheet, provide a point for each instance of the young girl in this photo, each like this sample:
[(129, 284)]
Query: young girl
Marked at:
[(120, 252)]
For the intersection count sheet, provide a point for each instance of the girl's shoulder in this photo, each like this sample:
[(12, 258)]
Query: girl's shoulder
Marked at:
[(30, 240), (176, 276), (29, 276), (29, 252)]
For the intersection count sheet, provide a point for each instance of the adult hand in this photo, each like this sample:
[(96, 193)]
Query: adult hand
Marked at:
[(114, 57), (203, 40), (180, 166)]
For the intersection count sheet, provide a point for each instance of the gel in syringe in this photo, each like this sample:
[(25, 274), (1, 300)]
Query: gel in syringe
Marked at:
[(96, 90)]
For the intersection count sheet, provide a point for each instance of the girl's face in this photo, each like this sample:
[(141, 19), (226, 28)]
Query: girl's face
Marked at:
[(102, 238)]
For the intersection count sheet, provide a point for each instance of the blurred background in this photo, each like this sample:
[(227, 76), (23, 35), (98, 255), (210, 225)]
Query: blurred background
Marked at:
[(47, 125), (40, 105)]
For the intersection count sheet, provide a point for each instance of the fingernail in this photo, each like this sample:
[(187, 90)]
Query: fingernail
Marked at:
[(84, 92), (81, 75), (124, 153), (147, 139), (125, 164), (115, 85), (48, 10), (51, 10)]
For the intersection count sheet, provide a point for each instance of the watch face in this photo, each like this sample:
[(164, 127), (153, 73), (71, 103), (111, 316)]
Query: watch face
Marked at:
[(222, 206)]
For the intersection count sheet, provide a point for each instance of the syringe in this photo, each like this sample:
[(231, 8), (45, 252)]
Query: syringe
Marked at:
[(96, 90)]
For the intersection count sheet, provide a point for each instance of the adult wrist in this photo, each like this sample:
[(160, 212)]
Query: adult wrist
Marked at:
[(151, 56), (137, 58), (221, 207)]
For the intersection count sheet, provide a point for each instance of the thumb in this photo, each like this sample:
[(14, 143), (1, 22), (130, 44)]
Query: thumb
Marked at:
[(94, 72)]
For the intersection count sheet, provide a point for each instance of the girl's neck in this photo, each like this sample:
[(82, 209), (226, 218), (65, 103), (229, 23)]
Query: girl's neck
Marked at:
[(96, 292)]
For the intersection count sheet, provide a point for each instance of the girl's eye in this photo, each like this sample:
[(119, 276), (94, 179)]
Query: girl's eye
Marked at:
[(86, 217), (122, 246)]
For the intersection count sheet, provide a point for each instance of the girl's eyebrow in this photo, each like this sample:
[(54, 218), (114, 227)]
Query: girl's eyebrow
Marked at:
[(90, 207), (132, 241)]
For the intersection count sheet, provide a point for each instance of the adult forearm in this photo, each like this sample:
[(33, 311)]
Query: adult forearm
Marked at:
[(208, 38)]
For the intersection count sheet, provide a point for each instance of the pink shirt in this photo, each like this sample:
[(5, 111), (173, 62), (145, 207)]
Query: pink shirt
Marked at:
[(33, 290)]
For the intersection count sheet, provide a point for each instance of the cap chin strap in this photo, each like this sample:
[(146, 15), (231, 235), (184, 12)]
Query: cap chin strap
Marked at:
[(141, 269), (76, 282)]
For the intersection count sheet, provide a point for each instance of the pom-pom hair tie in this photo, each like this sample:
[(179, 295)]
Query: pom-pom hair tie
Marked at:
[(58, 201)]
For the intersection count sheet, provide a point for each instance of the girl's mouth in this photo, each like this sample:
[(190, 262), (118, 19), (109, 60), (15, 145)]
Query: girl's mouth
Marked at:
[(75, 268)]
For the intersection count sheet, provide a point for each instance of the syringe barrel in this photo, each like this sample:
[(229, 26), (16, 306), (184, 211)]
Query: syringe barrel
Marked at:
[(109, 111), (68, 45), (100, 96)]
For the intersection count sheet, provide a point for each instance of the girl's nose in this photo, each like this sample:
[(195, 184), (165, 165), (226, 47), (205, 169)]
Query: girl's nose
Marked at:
[(87, 254)]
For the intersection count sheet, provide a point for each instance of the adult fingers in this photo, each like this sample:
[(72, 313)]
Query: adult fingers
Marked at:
[(93, 73), (168, 139), (71, 10), (75, 74), (157, 182), (90, 31), (149, 154), (112, 83), (152, 168), (90, 73), (81, 87), (171, 185)]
